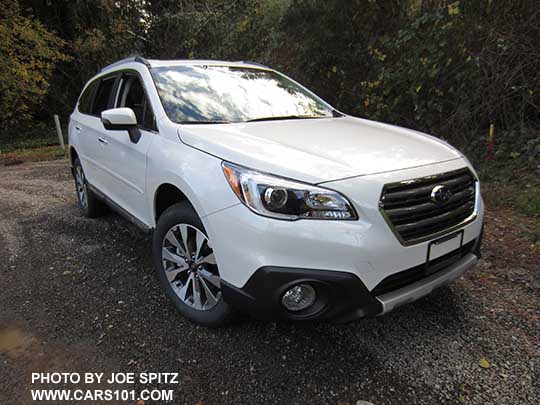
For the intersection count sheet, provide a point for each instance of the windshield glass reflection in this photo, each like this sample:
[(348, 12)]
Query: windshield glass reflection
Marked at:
[(217, 94)]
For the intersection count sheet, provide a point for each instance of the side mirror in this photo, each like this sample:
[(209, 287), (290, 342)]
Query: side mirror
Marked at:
[(121, 119)]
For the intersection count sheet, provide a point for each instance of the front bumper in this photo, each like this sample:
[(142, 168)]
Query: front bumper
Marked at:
[(338, 293), (341, 296), (423, 287)]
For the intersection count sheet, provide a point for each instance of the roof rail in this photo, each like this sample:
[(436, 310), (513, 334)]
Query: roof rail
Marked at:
[(139, 59), (254, 63)]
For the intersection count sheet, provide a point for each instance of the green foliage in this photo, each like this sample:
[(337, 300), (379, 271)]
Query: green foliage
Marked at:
[(425, 72), (450, 71), (28, 54), (446, 67)]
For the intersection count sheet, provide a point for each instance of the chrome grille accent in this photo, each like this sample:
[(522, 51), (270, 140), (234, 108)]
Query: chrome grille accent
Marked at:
[(414, 217)]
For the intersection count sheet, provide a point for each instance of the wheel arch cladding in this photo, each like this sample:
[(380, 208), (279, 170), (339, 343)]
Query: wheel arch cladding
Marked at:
[(72, 155), (167, 195)]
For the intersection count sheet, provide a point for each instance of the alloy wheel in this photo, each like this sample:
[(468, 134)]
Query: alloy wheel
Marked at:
[(81, 186), (190, 266)]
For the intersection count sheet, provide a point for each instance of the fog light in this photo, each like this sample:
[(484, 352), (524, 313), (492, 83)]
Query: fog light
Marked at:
[(299, 297)]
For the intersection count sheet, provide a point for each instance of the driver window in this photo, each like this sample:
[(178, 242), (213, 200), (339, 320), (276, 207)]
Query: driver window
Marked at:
[(132, 95)]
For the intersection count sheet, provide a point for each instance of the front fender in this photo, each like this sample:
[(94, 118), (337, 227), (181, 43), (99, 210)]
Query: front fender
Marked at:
[(195, 173)]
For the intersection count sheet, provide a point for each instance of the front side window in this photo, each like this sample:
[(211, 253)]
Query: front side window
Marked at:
[(101, 100), (132, 95), (217, 94)]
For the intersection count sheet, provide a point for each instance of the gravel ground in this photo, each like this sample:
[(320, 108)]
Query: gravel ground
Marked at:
[(80, 295)]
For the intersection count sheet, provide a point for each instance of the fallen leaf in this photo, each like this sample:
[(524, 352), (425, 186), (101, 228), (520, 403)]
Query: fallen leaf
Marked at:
[(484, 363)]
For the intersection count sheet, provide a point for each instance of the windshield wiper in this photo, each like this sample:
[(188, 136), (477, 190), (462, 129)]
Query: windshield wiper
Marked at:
[(204, 122), (287, 117)]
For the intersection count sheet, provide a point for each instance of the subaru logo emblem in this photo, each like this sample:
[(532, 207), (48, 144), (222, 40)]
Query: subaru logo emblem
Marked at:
[(440, 194)]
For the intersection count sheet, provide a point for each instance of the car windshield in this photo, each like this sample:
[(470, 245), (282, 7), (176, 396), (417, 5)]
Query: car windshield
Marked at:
[(223, 94)]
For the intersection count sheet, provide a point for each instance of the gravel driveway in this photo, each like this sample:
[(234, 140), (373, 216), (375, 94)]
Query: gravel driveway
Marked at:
[(80, 295)]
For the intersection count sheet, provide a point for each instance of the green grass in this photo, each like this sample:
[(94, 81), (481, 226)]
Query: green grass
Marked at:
[(532, 235), (30, 143), (38, 154), (524, 198), (528, 201), (522, 202), (34, 144)]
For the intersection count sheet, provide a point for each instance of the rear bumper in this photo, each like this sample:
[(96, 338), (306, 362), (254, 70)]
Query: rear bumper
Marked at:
[(341, 296)]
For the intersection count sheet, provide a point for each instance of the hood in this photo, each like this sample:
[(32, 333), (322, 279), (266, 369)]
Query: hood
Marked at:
[(318, 150)]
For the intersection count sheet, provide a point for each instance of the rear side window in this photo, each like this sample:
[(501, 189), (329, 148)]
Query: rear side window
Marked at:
[(85, 101), (101, 100)]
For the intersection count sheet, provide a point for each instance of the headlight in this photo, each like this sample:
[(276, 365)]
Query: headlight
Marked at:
[(280, 198)]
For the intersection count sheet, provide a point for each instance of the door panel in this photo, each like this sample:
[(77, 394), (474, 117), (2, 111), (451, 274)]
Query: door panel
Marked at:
[(125, 160), (126, 166), (92, 151)]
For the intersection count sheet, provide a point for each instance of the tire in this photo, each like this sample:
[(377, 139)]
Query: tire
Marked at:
[(90, 205), (189, 274)]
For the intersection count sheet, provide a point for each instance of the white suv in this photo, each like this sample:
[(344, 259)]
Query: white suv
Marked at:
[(263, 198)]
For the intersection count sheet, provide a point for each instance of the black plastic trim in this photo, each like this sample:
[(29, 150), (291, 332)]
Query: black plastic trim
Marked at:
[(103, 197), (133, 130), (340, 295), (411, 275)]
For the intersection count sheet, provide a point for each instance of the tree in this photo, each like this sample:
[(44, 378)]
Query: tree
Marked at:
[(96, 33), (28, 55)]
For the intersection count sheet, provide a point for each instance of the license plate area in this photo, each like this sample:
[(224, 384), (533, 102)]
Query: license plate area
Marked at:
[(442, 247)]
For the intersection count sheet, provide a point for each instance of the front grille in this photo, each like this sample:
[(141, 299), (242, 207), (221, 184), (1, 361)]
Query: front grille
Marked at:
[(413, 215)]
